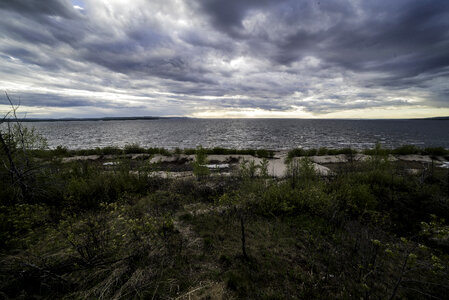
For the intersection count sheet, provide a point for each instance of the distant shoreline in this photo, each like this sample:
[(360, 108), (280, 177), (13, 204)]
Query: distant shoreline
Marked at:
[(92, 119), (171, 118)]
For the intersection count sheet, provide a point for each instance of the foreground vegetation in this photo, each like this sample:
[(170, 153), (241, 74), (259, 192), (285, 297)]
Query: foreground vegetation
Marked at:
[(85, 230)]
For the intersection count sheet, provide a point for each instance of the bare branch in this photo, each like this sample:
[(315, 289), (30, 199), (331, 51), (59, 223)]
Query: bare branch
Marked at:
[(13, 142)]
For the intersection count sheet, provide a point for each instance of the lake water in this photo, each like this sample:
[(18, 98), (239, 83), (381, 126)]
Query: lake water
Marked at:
[(275, 134)]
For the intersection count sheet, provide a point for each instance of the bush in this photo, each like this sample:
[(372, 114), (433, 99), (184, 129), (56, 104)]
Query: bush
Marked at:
[(277, 200), (323, 151), (264, 153), (310, 152), (189, 151), (18, 220), (86, 186), (199, 169), (218, 150), (435, 151), (248, 169), (295, 153), (377, 150), (133, 149), (84, 152), (347, 151), (60, 151), (110, 150), (405, 150), (356, 198), (19, 167), (301, 172), (314, 199)]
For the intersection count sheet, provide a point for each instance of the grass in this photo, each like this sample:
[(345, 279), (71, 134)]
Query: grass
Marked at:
[(373, 230)]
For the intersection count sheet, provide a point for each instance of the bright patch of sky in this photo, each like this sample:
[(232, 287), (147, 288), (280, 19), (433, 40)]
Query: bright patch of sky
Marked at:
[(78, 4)]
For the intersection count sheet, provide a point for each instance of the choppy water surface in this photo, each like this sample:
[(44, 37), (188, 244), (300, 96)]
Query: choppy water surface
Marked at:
[(273, 134)]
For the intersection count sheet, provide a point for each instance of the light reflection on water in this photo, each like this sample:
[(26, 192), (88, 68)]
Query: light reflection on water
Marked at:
[(273, 134)]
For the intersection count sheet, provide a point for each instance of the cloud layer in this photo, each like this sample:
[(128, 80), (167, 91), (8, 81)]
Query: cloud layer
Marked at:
[(173, 57)]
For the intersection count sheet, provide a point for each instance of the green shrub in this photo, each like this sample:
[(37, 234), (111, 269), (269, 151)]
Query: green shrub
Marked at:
[(377, 150), (18, 167), (347, 151), (85, 152), (246, 151), (406, 149), (20, 219), (199, 169), (264, 153), (295, 153), (436, 151), (314, 199), (301, 172), (310, 152), (263, 168), (356, 198), (189, 151), (110, 150), (218, 150), (223, 151), (323, 151), (60, 151), (133, 149), (248, 169), (298, 152), (277, 200), (87, 187), (90, 236)]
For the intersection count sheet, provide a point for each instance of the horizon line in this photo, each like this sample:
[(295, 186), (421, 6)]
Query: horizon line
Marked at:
[(116, 118)]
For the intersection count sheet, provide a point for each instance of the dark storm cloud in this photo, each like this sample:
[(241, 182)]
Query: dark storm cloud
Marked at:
[(406, 43), (59, 100), (327, 106), (375, 42), (228, 15), (22, 29), (322, 56), (61, 8)]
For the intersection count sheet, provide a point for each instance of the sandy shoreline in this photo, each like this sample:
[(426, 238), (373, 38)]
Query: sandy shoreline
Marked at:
[(277, 166)]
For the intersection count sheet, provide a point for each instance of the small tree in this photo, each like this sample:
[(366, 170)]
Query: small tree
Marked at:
[(263, 168), (301, 172), (248, 169), (242, 201), (18, 167), (239, 204), (200, 170)]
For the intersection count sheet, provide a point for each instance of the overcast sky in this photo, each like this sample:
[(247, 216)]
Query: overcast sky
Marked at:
[(226, 58)]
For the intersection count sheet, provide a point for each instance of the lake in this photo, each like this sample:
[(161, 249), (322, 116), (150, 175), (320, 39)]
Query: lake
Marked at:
[(275, 134)]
